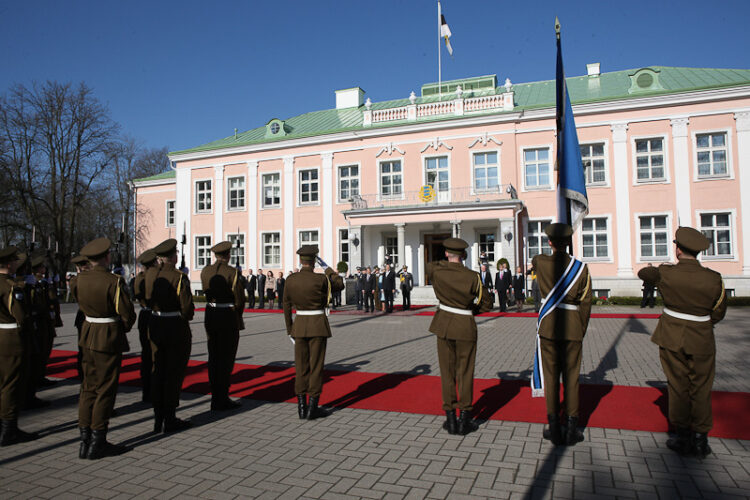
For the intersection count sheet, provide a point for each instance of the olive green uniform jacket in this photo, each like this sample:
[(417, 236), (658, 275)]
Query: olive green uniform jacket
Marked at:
[(307, 290), (12, 346), (221, 284)]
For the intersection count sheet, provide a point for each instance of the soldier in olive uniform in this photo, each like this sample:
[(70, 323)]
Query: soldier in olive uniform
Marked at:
[(461, 295), (169, 296), (82, 264), (12, 346), (561, 335), (309, 293), (225, 300), (147, 259), (694, 300), (109, 315)]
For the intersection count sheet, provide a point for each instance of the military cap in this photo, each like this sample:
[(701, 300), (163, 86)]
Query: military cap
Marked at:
[(558, 231), (455, 245), (96, 248), (8, 254), (307, 252), (691, 239), (405, 267), (22, 259), (147, 257), (79, 259), (166, 247), (222, 247), (37, 261)]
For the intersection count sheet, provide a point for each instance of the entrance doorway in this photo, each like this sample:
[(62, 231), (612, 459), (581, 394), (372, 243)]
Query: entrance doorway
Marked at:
[(434, 249)]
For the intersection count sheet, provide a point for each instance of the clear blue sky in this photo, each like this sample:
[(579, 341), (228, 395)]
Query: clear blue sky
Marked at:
[(180, 74)]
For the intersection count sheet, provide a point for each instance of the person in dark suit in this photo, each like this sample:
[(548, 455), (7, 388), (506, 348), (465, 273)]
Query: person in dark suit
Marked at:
[(280, 281), (389, 287), (251, 286), (368, 290), (518, 288), (261, 289), (486, 278), (407, 283), (358, 282), (503, 281), (648, 293)]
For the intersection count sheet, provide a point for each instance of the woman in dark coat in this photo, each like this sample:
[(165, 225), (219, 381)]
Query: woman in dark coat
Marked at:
[(280, 288), (518, 288)]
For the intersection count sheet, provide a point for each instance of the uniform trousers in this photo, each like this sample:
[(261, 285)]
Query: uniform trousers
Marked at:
[(561, 357), (170, 346), (309, 359), (223, 336), (11, 385), (456, 358), (101, 374), (689, 380), (146, 356)]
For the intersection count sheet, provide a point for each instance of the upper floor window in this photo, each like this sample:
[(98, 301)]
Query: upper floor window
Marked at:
[(594, 164), (348, 182), (391, 181), (718, 229), (171, 213), (436, 173), (536, 167), (202, 251), (203, 196), (649, 159), (271, 190), (237, 254), (308, 186), (654, 236), (236, 190), (536, 238), (711, 151), (486, 171), (594, 236)]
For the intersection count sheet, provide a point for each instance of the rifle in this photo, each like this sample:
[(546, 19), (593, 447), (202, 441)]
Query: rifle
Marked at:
[(117, 264), (237, 257), (182, 251)]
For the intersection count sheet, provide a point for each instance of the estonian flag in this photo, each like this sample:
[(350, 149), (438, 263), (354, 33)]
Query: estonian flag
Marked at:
[(445, 32)]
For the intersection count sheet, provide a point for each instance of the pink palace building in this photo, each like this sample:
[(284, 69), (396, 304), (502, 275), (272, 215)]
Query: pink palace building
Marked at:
[(662, 147)]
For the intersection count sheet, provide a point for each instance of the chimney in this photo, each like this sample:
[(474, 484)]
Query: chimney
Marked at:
[(349, 98), (593, 69)]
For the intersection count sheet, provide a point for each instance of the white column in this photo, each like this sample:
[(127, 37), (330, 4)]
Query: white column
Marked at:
[(622, 199), (474, 257), (355, 253), (456, 228), (508, 250), (251, 197), (287, 236), (408, 258), (218, 204), (327, 195), (743, 171), (420, 265), (183, 210), (381, 255), (400, 244), (681, 170)]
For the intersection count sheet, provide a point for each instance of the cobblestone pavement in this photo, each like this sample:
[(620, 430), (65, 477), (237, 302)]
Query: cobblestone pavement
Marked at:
[(264, 451)]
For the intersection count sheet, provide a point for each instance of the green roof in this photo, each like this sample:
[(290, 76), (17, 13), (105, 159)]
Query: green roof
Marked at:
[(169, 174), (617, 85)]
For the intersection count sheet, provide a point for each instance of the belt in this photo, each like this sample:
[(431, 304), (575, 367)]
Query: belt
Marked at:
[(147, 309), (101, 320), (689, 317), (569, 307), (456, 310), (170, 314), (219, 305), (9, 326), (315, 312)]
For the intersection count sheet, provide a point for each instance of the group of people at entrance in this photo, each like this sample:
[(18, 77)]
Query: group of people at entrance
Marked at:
[(375, 289)]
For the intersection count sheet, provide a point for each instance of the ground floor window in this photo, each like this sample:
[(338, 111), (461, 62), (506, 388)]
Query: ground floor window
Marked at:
[(202, 251), (654, 236), (271, 249), (487, 246), (594, 238), (391, 249), (237, 256), (536, 241), (718, 229), (344, 245)]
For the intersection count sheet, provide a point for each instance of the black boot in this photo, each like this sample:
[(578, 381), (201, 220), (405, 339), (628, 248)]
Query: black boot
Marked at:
[(100, 447), (466, 424), (553, 432), (313, 411), (573, 435), (174, 424), (700, 444), (450, 424), (302, 406), (683, 442), (11, 434), (83, 451), (158, 421)]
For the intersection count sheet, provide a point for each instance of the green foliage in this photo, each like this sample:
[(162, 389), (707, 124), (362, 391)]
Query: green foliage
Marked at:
[(342, 267)]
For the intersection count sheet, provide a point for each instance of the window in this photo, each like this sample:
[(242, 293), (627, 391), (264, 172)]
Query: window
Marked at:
[(202, 251), (237, 255), (711, 152), (654, 236), (203, 196), (170, 213), (718, 229), (236, 189), (436, 173), (649, 159), (271, 249), (344, 245), (593, 164), (348, 182), (390, 178), (536, 239), (487, 246), (271, 190), (308, 238), (536, 167), (308, 186), (391, 248), (594, 236), (485, 171)]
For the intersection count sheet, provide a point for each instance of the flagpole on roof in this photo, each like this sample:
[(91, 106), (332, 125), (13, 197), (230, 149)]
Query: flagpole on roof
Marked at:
[(440, 68)]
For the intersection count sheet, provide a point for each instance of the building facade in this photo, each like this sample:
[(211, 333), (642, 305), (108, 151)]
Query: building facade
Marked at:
[(662, 147)]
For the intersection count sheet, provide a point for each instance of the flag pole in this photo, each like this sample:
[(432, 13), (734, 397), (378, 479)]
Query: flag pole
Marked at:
[(440, 67)]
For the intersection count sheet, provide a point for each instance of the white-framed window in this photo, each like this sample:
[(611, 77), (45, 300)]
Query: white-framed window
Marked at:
[(308, 186), (594, 164), (271, 249), (436, 173), (348, 182), (595, 238), (487, 245), (271, 190), (202, 251), (711, 155), (653, 236), (537, 241), (650, 159), (309, 237), (203, 196), (536, 167), (236, 193), (391, 179), (390, 242), (717, 227), (171, 213), (486, 171), (344, 245), (237, 252)]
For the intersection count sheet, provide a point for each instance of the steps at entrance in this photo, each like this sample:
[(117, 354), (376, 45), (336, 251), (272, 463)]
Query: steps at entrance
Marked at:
[(423, 295)]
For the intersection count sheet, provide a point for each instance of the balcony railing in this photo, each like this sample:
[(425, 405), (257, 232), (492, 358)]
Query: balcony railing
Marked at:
[(454, 196)]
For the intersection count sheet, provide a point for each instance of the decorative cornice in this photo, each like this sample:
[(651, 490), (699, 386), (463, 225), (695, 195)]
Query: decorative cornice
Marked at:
[(619, 132), (679, 127), (743, 121), (389, 148), (484, 139), (435, 144)]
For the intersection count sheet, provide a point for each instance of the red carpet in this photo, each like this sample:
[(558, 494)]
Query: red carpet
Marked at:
[(281, 311), (534, 315), (608, 406)]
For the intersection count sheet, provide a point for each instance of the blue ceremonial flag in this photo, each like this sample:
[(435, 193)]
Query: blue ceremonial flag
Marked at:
[(572, 201)]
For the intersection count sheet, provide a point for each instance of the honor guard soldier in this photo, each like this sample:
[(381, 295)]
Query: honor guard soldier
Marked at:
[(310, 294), (109, 315), (694, 300), (147, 259), (82, 264), (13, 316), (565, 284), (225, 300), (169, 296), (461, 295)]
